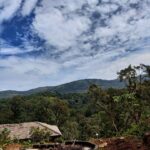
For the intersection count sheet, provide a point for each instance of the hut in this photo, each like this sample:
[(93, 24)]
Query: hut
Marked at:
[(22, 131)]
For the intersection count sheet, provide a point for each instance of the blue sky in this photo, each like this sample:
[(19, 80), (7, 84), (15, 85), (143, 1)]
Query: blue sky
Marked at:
[(50, 42)]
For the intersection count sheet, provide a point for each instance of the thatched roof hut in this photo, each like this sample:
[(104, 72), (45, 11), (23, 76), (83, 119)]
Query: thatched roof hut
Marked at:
[(22, 131)]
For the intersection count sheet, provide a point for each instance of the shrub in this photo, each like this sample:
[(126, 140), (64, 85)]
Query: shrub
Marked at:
[(40, 135), (4, 137)]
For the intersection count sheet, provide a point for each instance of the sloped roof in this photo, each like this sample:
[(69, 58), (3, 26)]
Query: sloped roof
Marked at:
[(22, 130)]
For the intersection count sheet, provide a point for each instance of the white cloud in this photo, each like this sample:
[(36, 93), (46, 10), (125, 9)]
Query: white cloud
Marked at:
[(25, 73), (6, 49), (57, 29), (105, 8), (28, 6), (90, 40), (104, 69), (10, 50), (9, 9), (65, 27), (70, 5)]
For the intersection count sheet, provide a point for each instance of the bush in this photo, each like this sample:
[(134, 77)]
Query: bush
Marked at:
[(137, 129), (40, 135), (4, 137)]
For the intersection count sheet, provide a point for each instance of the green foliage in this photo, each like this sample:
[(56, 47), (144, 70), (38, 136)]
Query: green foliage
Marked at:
[(40, 135), (137, 129), (108, 112), (129, 75), (4, 137), (71, 130)]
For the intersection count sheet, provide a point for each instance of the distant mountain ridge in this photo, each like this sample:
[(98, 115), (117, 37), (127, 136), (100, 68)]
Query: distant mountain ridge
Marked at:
[(72, 87)]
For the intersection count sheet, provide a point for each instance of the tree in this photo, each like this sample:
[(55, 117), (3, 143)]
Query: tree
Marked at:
[(129, 109), (17, 108), (71, 130), (40, 135), (101, 100), (60, 110), (43, 110), (129, 76)]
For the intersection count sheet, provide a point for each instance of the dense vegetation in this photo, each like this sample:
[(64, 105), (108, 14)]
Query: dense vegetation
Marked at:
[(97, 113)]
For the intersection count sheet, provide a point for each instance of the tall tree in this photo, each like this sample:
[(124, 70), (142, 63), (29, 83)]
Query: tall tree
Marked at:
[(129, 76), (101, 100)]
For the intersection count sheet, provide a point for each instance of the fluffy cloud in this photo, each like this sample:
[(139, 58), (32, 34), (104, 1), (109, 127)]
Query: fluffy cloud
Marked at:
[(28, 6), (9, 9), (58, 30)]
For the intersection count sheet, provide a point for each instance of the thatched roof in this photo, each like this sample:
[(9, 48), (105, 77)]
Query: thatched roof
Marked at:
[(21, 131)]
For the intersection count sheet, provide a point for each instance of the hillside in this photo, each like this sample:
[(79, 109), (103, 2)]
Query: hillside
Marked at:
[(100, 113), (72, 87)]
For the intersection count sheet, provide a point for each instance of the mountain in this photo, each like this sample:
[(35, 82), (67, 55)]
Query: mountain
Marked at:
[(72, 87)]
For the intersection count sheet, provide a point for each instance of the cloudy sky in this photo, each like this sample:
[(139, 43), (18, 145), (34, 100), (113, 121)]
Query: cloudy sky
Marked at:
[(49, 42)]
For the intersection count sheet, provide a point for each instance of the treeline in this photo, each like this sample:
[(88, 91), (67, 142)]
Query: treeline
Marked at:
[(97, 113)]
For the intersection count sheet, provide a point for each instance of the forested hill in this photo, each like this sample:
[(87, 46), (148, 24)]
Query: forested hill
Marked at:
[(72, 87), (107, 112)]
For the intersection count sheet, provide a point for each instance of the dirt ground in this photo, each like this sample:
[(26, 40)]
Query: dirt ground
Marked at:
[(123, 143), (13, 147)]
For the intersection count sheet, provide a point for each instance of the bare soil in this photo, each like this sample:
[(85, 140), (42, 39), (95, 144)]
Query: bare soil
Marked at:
[(122, 143)]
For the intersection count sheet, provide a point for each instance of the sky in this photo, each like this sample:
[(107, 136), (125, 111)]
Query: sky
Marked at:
[(50, 42)]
